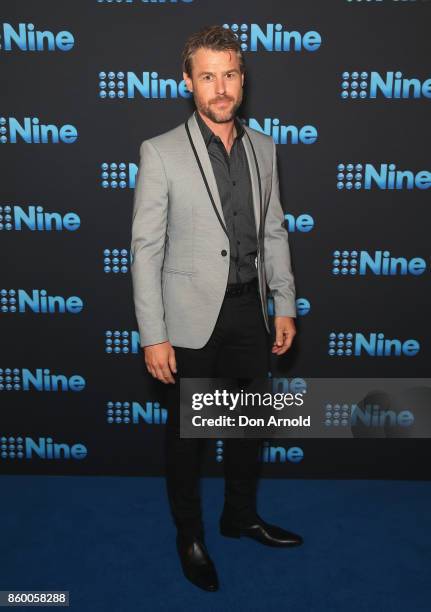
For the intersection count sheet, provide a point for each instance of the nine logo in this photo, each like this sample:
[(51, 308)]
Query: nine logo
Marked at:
[(366, 176), (273, 38), (34, 218), (24, 447), (22, 379), (133, 413), (31, 131), (38, 301), (379, 263), (25, 37), (269, 454), (285, 134), (122, 85), (390, 85), (118, 174), (356, 344)]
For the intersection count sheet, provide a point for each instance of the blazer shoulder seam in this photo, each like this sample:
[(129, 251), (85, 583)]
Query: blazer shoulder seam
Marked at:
[(148, 141)]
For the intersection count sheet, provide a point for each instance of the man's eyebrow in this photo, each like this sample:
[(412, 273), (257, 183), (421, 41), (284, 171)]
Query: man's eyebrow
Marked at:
[(224, 72)]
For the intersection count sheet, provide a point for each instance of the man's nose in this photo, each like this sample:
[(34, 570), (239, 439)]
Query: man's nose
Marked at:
[(220, 85)]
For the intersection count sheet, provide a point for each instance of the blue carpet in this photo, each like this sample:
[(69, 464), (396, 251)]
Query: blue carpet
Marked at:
[(111, 543)]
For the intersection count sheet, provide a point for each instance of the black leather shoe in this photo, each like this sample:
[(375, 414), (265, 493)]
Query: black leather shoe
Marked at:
[(196, 562), (259, 530)]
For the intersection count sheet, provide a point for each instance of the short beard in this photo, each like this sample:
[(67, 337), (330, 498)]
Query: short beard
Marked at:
[(208, 112)]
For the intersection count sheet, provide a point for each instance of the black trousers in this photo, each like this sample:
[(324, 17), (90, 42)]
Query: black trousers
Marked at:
[(239, 347)]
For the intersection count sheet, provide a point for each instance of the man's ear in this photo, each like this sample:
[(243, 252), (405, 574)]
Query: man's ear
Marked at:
[(188, 81)]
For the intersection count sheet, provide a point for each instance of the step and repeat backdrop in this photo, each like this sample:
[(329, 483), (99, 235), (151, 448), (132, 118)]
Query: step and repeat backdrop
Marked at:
[(343, 87)]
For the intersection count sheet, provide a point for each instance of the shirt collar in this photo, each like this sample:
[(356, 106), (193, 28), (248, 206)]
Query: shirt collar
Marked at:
[(208, 134)]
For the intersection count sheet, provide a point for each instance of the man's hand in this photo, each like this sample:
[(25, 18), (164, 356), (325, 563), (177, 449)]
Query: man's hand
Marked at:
[(160, 361), (284, 333)]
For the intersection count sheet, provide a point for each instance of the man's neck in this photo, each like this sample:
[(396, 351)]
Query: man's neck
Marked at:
[(226, 131)]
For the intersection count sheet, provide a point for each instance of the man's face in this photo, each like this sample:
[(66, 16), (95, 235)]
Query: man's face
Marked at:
[(216, 83)]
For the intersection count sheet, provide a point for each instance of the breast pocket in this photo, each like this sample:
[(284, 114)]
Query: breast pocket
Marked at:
[(168, 270)]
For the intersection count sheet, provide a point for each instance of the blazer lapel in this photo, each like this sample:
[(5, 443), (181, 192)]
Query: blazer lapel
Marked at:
[(202, 152), (204, 158), (254, 179)]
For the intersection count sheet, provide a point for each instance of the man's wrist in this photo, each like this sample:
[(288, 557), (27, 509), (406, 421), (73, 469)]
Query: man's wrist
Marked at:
[(148, 339), (153, 344)]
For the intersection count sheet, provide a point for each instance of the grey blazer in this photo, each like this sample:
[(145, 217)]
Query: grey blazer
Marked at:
[(180, 247)]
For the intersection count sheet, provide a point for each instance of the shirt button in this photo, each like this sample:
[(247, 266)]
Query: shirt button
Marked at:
[(234, 183), (234, 213), (238, 242), (224, 252)]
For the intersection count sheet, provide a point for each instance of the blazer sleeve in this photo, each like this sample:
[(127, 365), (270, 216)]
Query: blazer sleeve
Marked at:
[(278, 267), (150, 205)]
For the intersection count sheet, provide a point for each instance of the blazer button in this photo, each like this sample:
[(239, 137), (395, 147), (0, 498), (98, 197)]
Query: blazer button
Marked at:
[(224, 252)]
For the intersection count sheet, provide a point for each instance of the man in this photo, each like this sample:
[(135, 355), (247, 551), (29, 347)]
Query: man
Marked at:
[(208, 236)]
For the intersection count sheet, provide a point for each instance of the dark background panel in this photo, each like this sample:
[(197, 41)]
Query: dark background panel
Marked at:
[(297, 88)]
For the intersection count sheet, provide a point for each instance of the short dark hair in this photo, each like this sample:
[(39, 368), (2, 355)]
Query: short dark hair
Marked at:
[(214, 37)]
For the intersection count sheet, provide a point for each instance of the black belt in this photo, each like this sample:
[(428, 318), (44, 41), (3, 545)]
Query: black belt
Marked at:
[(237, 289)]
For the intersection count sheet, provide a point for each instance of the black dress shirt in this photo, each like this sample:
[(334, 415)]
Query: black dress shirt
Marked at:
[(234, 185)]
